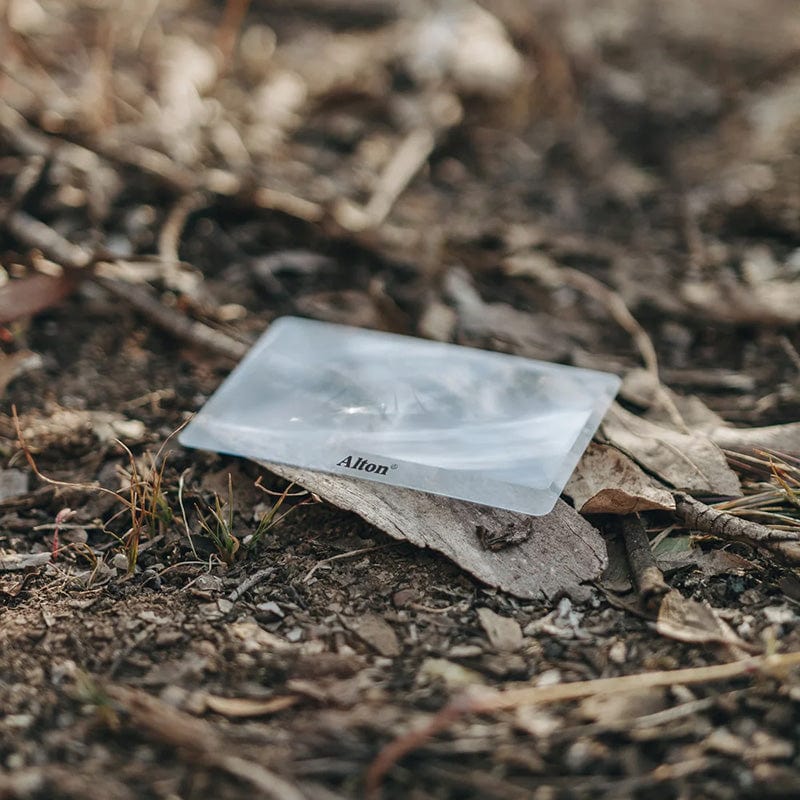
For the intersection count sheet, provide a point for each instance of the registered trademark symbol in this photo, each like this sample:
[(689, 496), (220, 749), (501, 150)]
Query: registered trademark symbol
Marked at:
[(394, 466)]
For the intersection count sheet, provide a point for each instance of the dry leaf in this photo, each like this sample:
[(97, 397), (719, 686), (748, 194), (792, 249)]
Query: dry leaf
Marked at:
[(503, 633), (608, 482), (687, 461), (690, 621), (248, 707), (713, 562), (562, 551)]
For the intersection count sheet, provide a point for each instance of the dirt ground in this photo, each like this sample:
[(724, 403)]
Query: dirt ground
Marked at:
[(424, 168)]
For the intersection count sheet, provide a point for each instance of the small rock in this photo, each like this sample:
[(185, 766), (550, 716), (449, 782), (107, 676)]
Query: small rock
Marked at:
[(272, 608), (403, 597), (120, 562), (503, 633), (375, 632)]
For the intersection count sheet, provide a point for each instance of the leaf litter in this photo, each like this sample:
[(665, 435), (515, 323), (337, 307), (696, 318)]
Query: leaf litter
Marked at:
[(505, 200)]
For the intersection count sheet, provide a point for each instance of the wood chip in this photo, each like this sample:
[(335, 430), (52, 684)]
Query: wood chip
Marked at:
[(504, 633), (239, 707), (376, 632), (607, 481), (562, 551)]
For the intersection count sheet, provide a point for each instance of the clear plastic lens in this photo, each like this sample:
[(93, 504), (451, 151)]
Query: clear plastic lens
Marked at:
[(486, 427)]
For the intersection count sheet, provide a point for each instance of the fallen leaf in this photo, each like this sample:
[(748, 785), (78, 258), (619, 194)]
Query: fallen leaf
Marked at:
[(239, 707), (11, 587), (689, 462), (607, 481), (689, 621), (677, 552), (562, 551), (504, 633), (255, 639), (376, 632)]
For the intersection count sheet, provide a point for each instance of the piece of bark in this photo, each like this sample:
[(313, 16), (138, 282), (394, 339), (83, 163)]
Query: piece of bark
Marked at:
[(689, 462), (562, 552), (376, 632), (607, 481), (503, 633)]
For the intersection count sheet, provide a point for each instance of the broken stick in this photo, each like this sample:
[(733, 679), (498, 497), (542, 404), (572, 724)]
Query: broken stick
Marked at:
[(702, 517), (647, 576)]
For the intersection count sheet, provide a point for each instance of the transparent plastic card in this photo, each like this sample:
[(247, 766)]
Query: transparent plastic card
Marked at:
[(486, 427)]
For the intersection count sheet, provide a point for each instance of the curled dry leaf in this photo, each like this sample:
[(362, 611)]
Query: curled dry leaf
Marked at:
[(687, 461), (690, 621), (607, 481)]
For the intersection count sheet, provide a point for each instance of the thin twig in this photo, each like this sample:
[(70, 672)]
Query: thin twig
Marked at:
[(409, 158), (612, 301), (342, 556), (196, 739), (249, 582), (145, 301), (228, 30), (170, 235), (709, 520)]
